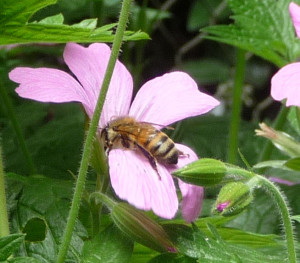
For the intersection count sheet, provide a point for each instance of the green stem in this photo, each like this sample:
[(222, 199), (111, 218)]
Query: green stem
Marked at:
[(96, 207), (235, 170), (12, 116), (236, 106), (286, 217), (298, 116), (91, 133), (4, 226), (280, 201), (278, 124), (103, 199)]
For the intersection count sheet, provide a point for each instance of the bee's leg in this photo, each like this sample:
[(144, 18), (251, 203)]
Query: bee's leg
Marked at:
[(151, 159), (180, 153)]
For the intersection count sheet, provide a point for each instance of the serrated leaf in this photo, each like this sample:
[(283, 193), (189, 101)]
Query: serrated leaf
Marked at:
[(9, 244), (52, 20), (108, 246), (46, 201), (262, 27), (236, 236), (212, 247), (16, 28), (88, 23)]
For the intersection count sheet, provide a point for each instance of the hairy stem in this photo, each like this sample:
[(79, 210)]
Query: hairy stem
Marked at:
[(236, 106), (91, 133), (4, 226), (286, 217), (280, 201)]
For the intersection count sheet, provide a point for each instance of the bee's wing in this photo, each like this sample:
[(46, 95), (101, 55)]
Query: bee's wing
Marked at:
[(161, 126), (147, 128)]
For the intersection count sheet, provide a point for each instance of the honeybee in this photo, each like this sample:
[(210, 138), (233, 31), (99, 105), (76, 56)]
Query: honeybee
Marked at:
[(127, 133)]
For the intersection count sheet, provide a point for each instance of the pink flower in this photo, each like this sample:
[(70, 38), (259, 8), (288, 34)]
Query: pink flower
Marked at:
[(162, 100), (285, 84), (295, 15)]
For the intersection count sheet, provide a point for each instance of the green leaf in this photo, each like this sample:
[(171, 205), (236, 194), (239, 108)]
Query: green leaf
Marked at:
[(273, 163), (142, 254), (9, 244), (44, 203), (53, 155), (296, 218), (262, 27), (293, 164), (205, 172), (212, 248), (54, 20), (16, 28), (24, 260), (202, 11), (237, 236), (108, 246)]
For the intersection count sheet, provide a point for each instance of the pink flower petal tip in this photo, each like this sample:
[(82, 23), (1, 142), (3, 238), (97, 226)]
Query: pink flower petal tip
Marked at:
[(285, 84), (294, 10)]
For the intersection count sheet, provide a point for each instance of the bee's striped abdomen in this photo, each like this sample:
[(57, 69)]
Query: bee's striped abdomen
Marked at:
[(163, 148)]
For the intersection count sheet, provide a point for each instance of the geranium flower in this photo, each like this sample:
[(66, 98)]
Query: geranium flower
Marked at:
[(162, 100), (285, 84)]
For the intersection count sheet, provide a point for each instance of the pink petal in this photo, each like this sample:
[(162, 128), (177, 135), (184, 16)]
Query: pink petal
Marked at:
[(47, 85), (282, 181), (134, 179), (285, 84), (170, 98), (192, 195), (89, 66), (295, 15)]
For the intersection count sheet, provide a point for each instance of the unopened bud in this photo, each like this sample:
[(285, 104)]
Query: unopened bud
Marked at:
[(141, 228), (233, 198), (281, 140), (203, 172)]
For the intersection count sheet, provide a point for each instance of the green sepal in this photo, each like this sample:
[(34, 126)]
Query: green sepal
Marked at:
[(293, 164), (204, 172)]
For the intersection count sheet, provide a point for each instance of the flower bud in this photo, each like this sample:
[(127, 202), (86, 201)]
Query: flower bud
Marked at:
[(281, 140), (232, 199), (141, 228), (204, 172)]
